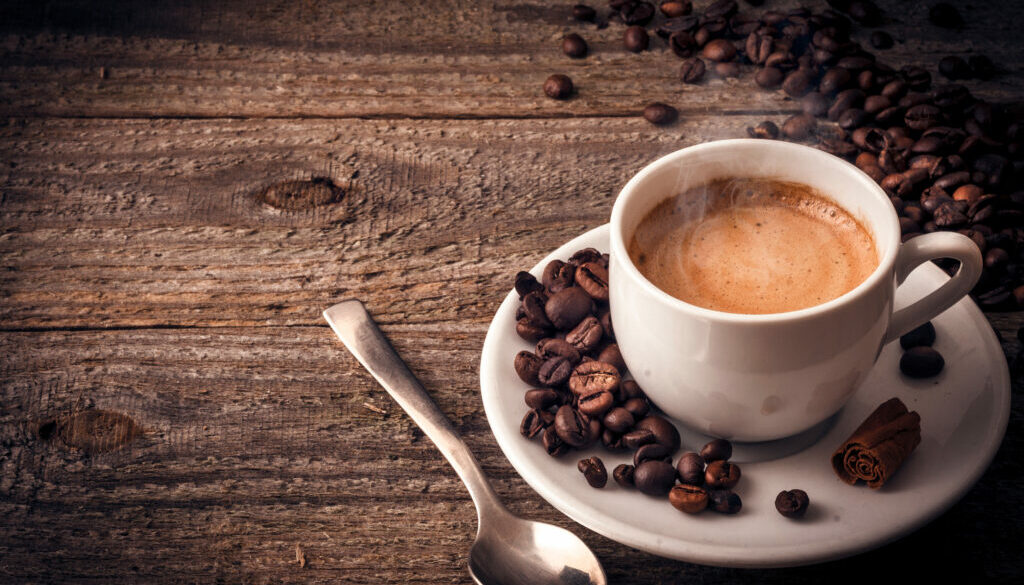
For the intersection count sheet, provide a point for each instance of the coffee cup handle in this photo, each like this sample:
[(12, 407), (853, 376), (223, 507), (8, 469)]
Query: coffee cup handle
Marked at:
[(921, 249)]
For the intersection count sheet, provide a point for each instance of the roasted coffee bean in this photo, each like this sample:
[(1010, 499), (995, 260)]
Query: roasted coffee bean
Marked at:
[(605, 318), (876, 103), (852, 118), (593, 471), (553, 444), (945, 15), (864, 159), (592, 277), (554, 371), (721, 474), (834, 80), (881, 40), (922, 116), (574, 46), (981, 67), (558, 275), (968, 193), (527, 366), (586, 336), (636, 39), (690, 499), (921, 362), (951, 181), (527, 283), (590, 377), (530, 331), (759, 46), (727, 70), (867, 81), (567, 307), (947, 215), (596, 403), (907, 225), (611, 355), (535, 422), (996, 258), (654, 477), (721, 9), (724, 501), (781, 60), (914, 99), (917, 78), (815, 104), (865, 12), (767, 130), (618, 420), (558, 86), (872, 140), (692, 70), (584, 255), (769, 77), (846, 99), (928, 145), (676, 8), (637, 437), (638, 407), (792, 503), (583, 13), (690, 468), (534, 309), (623, 475), (856, 63), (890, 116), (636, 13), (572, 426), (954, 67), (542, 398), (798, 83), (895, 89), (799, 127), (651, 451), (720, 50), (682, 44), (658, 114), (664, 432), (952, 95), (716, 450), (630, 389)]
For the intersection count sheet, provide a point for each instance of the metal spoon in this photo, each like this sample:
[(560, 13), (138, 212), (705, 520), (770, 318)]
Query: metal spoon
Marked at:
[(508, 550)]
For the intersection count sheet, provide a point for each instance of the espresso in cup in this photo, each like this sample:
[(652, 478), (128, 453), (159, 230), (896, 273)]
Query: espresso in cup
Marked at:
[(752, 246)]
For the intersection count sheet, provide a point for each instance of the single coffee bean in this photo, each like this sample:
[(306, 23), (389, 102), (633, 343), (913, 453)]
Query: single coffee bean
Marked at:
[(799, 127), (574, 46), (759, 46), (846, 99), (651, 451), (682, 43), (945, 15), (654, 477), (721, 9), (690, 499), (917, 78), (721, 474), (557, 275), (996, 258), (853, 118), (554, 371), (767, 130), (815, 104), (834, 80), (566, 308), (530, 331), (664, 432), (590, 377), (553, 444), (954, 67), (769, 77), (728, 70), (951, 181), (720, 50), (921, 362), (554, 347), (638, 407), (947, 215), (876, 103), (792, 503), (618, 420), (583, 13), (596, 403), (593, 471), (636, 13), (798, 83), (572, 426), (716, 450), (690, 468), (865, 159), (527, 366), (881, 40), (584, 255), (533, 305), (592, 277), (586, 336), (630, 389), (781, 60), (623, 475), (968, 193), (527, 283), (535, 422), (895, 89), (558, 86), (692, 70), (542, 398), (724, 501), (867, 80), (636, 39), (922, 116), (676, 8), (658, 114), (637, 438), (611, 355)]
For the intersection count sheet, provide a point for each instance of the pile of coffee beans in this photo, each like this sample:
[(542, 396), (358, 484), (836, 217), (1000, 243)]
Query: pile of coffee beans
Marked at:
[(948, 160), (919, 359), (706, 480)]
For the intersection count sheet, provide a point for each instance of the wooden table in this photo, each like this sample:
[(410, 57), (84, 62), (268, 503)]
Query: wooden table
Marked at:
[(173, 408)]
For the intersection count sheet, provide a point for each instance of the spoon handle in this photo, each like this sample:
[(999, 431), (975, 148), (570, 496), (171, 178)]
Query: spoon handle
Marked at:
[(360, 334)]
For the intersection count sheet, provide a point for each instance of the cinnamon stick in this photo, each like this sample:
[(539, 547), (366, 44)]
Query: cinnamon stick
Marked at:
[(879, 446)]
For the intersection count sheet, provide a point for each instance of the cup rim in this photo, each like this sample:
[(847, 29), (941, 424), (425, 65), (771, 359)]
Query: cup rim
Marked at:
[(883, 270)]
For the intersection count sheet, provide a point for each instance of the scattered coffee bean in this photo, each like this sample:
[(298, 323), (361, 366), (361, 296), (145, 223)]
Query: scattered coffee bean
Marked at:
[(692, 70), (690, 468), (720, 50), (676, 8), (798, 83), (721, 474), (558, 86), (664, 432), (799, 127), (792, 503), (921, 362), (636, 13), (688, 498), (658, 114), (651, 451), (583, 13), (636, 39), (654, 477), (618, 420), (574, 46), (716, 450), (767, 130), (594, 471), (769, 77), (623, 475), (921, 336), (724, 501)]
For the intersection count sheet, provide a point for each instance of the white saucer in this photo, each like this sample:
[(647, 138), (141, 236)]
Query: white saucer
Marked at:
[(964, 412)]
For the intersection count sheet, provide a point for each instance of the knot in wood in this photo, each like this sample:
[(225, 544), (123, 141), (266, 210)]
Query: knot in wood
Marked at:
[(297, 195), (92, 431)]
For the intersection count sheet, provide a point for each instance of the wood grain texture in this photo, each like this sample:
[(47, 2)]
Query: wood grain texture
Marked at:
[(437, 58)]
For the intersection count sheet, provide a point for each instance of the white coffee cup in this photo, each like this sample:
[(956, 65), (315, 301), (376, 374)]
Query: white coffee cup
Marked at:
[(761, 377)]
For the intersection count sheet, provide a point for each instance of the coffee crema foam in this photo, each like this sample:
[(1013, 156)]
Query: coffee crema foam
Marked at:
[(752, 246)]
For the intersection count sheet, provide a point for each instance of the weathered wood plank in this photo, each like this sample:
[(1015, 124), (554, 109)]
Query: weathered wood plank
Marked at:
[(258, 440), (439, 58)]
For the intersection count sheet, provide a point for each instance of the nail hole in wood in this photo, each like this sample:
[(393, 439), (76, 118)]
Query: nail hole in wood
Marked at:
[(297, 195)]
